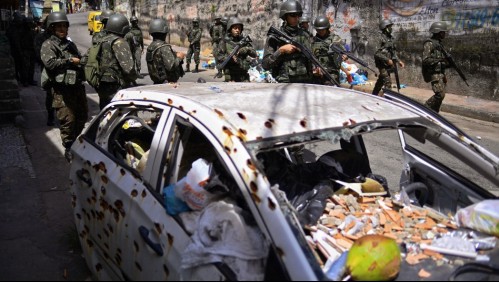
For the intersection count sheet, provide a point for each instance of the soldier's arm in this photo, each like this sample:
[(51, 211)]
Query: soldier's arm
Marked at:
[(222, 51), (124, 56), (428, 58), (198, 37), (271, 55), (50, 59)]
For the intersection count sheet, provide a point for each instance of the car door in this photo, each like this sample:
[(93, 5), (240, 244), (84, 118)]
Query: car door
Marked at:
[(111, 191)]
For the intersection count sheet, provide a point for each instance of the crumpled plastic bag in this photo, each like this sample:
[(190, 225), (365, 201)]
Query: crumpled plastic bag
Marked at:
[(190, 188), (482, 216), (257, 74)]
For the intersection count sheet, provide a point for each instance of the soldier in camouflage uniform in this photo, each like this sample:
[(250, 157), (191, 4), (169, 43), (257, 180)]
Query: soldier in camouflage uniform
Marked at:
[(224, 22), (163, 63), (385, 57), (285, 61), (43, 35), (305, 25), (61, 59), (136, 40), (434, 65), (217, 33), (237, 68), (194, 37), (116, 61), (320, 47), (104, 17)]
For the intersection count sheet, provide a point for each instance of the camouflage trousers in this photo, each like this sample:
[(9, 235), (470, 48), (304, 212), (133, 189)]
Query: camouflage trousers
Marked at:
[(138, 56), (194, 49), (438, 85), (384, 80), (215, 52), (71, 108)]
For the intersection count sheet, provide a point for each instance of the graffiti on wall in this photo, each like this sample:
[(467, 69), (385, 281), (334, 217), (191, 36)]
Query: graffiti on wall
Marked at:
[(480, 16)]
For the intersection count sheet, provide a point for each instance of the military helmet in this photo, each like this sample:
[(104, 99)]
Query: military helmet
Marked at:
[(321, 22), (304, 19), (218, 17), (384, 23), (289, 7), (118, 24), (158, 26), (57, 17), (104, 16), (437, 27), (134, 19), (234, 21), (224, 20), (195, 20)]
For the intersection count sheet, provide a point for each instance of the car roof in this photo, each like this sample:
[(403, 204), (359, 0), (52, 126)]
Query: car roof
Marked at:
[(266, 110)]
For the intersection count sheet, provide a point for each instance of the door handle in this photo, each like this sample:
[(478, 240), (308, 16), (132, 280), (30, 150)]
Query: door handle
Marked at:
[(84, 176), (144, 233)]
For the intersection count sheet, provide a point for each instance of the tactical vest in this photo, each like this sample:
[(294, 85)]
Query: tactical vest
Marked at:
[(217, 33), (68, 74), (155, 66), (110, 67), (194, 35), (137, 37), (294, 67), (384, 52), (429, 69), (320, 48), (242, 64)]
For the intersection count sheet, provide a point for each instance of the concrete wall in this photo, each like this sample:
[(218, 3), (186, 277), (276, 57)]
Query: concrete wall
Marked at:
[(472, 39)]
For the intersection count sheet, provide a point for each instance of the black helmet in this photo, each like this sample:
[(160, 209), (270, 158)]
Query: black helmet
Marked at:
[(321, 22), (195, 20), (158, 26), (118, 24), (225, 20), (289, 7), (384, 23), (104, 16), (234, 21), (57, 17), (304, 19), (437, 27), (134, 19)]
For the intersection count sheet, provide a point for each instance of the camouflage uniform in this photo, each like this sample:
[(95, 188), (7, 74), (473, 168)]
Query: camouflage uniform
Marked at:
[(70, 100), (98, 36), (162, 62), (117, 66), (236, 71), (331, 62), (39, 39), (381, 58), (288, 68), (434, 65), (194, 37), (136, 40), (217, 33)]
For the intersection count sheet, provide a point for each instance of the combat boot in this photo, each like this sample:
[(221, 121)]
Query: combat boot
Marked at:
[(187, 67), (196, 69)]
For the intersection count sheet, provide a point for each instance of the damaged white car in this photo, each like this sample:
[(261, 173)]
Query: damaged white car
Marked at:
[(243, 181)]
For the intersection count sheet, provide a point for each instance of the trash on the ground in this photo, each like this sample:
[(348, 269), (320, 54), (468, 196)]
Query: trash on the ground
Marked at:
[(216, 89), (257, 74), (374, 258), (483, 216)]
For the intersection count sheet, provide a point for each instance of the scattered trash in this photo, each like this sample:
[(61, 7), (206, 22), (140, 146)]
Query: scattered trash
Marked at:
[(483, 216), (479, 137), (216, 89)]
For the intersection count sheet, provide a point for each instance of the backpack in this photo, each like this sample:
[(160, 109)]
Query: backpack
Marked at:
[(92, 68), (159, 72)]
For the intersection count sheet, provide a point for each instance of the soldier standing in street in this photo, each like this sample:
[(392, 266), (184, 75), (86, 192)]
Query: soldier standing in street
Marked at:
[(61, 59), (237, 68), (434, 65), (285, 61), (305, 25), (217, 33), (320, 47), (385, 57), (163, 63), (104, 17), (224, 22), (194, 37), (116, 61), (136, 40)]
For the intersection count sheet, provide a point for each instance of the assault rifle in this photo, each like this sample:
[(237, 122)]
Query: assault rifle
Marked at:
[(333, 48), (240, 44), (278, 35), (453, 65), (395, 68)]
